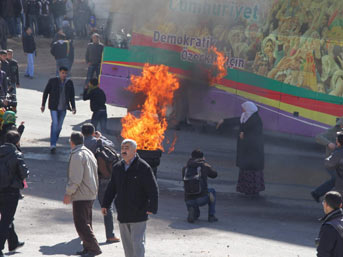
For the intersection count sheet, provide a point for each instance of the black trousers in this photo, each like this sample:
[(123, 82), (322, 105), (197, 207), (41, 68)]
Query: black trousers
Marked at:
[(8, 207), (82, 213)]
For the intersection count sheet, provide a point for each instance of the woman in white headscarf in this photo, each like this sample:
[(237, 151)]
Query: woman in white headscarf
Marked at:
[(250, 151)]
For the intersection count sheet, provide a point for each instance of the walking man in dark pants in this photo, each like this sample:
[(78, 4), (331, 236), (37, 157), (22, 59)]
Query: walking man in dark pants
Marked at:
[(81, 190), (93, 57), (328, 139), (134, 188), (97, 99), (61, 98), (93, 139), (11, 160)]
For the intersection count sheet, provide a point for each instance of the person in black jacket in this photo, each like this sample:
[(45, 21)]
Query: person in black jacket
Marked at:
[(3, 87), (29, 46), (62, 49), (330, 240), (3, 33), (206, 195), (250, 151), (32, 14), (5, 66), (134, 188), (13, 171), (97, 99), (14, 72), (61, 98)]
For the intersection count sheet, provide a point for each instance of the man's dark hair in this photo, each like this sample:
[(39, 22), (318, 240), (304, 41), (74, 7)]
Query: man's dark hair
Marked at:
[(76, 138), (63, 68), (87, 129), (94, 82), (196, 154), (340, 138), (333, 199), (26, 28), (12, 137)]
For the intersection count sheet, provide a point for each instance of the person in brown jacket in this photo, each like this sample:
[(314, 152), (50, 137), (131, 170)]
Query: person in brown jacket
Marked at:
[(81, 190)]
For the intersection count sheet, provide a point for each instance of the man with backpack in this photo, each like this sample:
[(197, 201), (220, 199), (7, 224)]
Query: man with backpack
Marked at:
[(197, 193), (13, 171), (106, 156)]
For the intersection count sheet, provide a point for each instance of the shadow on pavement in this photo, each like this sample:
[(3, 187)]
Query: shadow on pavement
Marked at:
[(66, 248)]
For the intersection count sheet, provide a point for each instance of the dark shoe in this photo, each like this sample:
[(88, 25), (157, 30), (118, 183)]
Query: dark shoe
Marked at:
[(26, 75), (112, 240), (20, 244), (90, 254), (53, 150), (315, 197), (191, 215), (212, 219), (81, 252)]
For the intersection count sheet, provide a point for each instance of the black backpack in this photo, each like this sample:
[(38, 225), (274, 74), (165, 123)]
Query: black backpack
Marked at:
[(192, 180), (6, 176), (106, 157)]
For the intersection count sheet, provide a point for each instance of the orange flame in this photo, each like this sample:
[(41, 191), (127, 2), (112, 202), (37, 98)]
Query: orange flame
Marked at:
[(219, 64), (159, 86), (172, 146)]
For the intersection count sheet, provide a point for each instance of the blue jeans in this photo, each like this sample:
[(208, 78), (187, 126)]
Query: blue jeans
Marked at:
[(201, 201), (57, 118), (32, 21), (93, 68), (30, 65), (327, 185), (108, 219), (11, 23), (64, 62), (100, 117)]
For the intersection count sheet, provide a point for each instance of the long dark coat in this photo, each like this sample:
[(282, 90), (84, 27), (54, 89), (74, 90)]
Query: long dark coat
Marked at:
[(250, 149)]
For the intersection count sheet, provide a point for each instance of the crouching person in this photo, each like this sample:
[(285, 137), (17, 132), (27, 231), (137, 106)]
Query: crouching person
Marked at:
[(81, 190), (197, 193)]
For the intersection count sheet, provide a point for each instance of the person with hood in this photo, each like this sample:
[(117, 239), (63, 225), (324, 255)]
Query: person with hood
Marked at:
[(250, 151), (330, 240), (9, 123), (328, 139), (13, 171), (62, 50), (197, 193)]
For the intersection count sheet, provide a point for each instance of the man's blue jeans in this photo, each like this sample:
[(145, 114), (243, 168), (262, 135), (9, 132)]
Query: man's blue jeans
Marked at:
[(100, 117), (93, 68), (326, 186), (201, 201), (57, 118), (30, 64), (108, 219)]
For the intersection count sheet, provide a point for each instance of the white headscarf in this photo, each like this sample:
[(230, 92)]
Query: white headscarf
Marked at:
[(250, 108)]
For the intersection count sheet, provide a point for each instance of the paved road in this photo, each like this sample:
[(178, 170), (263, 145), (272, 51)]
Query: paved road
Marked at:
[(283, 223)]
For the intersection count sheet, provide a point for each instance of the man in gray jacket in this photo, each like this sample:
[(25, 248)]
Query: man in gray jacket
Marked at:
[(81, 190), (93, 57), (328, 139)]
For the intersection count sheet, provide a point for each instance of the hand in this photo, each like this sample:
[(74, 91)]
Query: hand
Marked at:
[(149, 213), (67, 199), (241, 135), (42, 109), (97, 134), (104, 211), (332, 146), (219, 123), (74, 111)]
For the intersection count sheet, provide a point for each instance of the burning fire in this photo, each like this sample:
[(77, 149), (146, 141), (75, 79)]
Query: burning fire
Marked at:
[(159, 86), (220, 68)]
